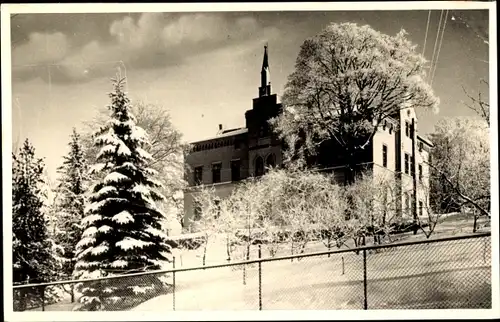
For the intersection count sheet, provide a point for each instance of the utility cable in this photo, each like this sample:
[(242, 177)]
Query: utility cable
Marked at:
[(426, 31), (439, 48), (435, 44)]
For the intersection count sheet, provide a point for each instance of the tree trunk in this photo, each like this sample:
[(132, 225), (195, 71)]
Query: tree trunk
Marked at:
[(72, 290), (351, 163), (228, 249), (302, 249), (204, 254), (474, 228)]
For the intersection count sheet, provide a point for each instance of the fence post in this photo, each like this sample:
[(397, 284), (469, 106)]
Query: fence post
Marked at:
[(343, 271), (260, 280), (173, 287), (485, 242), (244, 271), (365, 305), (474, 228), (43, 298)]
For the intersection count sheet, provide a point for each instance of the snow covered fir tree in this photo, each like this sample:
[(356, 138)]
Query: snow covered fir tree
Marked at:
[(70, 193), (33, 259), (122, 232)]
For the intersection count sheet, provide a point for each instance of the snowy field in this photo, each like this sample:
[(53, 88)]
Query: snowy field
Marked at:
[(444, 275), (440, 275)]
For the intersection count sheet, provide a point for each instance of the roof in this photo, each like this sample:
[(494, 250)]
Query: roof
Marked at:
[(226, 133), (425, 140)]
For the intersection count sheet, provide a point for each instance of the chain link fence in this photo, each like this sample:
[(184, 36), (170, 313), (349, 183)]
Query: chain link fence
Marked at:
[(446, 273)]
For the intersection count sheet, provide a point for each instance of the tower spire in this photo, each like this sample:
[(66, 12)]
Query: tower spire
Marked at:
[(265, 76)]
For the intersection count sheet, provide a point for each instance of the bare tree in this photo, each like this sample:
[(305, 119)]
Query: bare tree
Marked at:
[(428, 218), (460, 165), (248, 209), (227, 223), (371, 207), (329, 213), (479, 104), (207, 223), (302, 205), (293, 194), (347, 80)]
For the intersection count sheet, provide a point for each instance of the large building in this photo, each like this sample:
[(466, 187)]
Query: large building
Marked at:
[(236, 154)]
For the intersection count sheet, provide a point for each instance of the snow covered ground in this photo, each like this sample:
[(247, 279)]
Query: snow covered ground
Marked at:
[(444, 275), (452, 274)]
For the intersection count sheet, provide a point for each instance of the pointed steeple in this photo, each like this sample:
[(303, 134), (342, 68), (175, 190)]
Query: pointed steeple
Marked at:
[(265, 63), (265, 76)]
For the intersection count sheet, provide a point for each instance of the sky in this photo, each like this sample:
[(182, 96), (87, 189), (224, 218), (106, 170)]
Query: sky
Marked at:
[(204, 68)]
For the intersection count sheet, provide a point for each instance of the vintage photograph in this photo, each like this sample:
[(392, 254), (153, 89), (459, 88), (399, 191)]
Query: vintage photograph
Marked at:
[(250, 159)]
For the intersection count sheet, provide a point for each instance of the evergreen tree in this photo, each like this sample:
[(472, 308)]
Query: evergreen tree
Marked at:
[(70, 204), (122, 232), (33, 260)]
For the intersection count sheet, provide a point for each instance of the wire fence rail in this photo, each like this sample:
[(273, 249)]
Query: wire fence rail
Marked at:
[(452, 272)]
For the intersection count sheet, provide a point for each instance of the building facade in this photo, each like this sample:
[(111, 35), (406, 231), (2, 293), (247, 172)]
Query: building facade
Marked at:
[(236, 154)]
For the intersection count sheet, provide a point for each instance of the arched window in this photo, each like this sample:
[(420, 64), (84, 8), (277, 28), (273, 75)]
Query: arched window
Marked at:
[(270, 161), (259, 166)]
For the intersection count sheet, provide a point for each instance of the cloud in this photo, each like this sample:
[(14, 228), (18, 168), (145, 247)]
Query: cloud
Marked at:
[(155, 40), (30, 59), (41, 49)]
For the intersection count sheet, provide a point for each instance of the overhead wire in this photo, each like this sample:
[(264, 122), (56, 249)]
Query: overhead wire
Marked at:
[(439, 48), (426, 31), (435, 44)]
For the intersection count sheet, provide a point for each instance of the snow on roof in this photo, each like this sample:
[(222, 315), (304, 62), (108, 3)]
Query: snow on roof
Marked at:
[(425, 140), (226, 133)]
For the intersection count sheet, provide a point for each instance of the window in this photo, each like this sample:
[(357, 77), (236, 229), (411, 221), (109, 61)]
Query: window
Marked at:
[(384, 155), (270, 161), (407, 163), (216, 167), (384, 125), (198, 175), (407, 129), (412, 168), (420, 173), (235, 170), (259, 166), (420, 208), (420, 146)]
